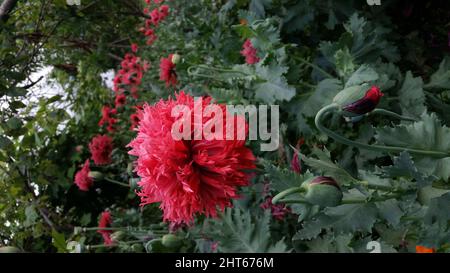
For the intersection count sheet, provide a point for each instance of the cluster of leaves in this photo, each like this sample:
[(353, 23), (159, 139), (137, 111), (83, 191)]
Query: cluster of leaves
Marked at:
[(308, 51)]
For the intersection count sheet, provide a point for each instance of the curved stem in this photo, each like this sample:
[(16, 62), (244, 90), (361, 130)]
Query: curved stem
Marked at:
[(202, 66), (316, 67), (285, 193), (391, 114), (116, 182), (379, 148)]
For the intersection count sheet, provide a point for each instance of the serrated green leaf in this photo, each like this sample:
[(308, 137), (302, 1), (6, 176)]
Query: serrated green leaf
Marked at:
[(390, 211), (323, 95), (274, 86), (411, 96), (426, 134), (364, 74), (441, 78)]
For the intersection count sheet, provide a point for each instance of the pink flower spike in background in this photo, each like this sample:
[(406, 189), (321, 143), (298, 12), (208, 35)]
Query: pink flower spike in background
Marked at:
[(167, 71)]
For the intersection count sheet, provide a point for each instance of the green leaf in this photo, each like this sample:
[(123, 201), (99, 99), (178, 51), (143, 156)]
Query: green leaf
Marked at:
[(345, 65), (427, 134), (411, 96), (341, 219), (30, 216), (404, 167), (14, 123), (441, 78), (282, 179), (59, 241), (390, 211), (274, 86), (364, 74), (239, 231), (323, 95), (325, 166), (5, 143)]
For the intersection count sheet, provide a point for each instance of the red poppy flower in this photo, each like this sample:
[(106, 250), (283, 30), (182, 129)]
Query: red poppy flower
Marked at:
[(105, 222), (167, 71), (121, 99), (82, 179), (188, 177), (107, 119), (101, 147)]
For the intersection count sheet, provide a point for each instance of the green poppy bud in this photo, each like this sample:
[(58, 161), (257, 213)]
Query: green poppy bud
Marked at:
[(171, 241), (358, 100), (176, 58), (96, 175), (323, 191), (117, 236)]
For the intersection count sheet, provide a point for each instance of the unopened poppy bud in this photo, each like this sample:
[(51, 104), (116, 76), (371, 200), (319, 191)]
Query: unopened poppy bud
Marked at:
[(176, 58), (117, 236), (137, 248), (171, 241), (96, 175), (323, 191), (358, 100)]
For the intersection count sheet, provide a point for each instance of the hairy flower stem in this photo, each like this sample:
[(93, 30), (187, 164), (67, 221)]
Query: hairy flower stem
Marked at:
[(116, 182), (285, 193), (345, 201), (379, 148), (392, 114), (89, 247), (206, 67), (162, 232), (316, 67)]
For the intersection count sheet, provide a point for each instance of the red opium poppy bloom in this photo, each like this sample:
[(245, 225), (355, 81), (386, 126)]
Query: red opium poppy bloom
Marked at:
[(167, 71), (101, 148), (365, 104), (249, 52), (105, 222), (82, 179), (188, 177), (134, 47)]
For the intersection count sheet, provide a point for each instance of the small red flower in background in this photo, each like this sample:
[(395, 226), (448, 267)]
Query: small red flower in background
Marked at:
[(188, 177), (107, 118), (130, 75), (167, 71), (134, 118), (82, 179), (121, 99), (367, 103), (105, 222), (249, 52), (134, 48), (279, 211), (422, 249), (101, 147)]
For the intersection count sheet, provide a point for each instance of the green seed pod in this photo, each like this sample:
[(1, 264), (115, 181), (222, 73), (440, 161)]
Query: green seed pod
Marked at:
[(176, 58), (96, 175), (323, 191), (171, 241), (9, 249), (117, 236)]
